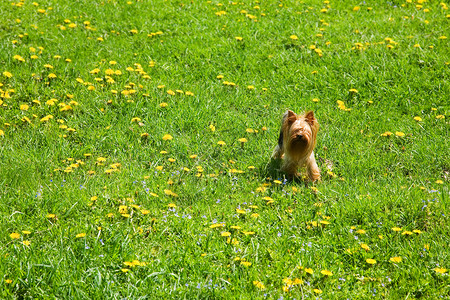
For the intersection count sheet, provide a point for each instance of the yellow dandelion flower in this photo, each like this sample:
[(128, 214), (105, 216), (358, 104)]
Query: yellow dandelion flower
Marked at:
[(46, 118), (80, 235), (225, 233), (399, 133), (293, 37), (317, 291), (238, 38), (259, 285), (287, 281), (217, 225), (51, 102), (167, 137), (7, 74), (246, 263), (19, 58), (418, 119), (101, 159), (170, 193), (326, 272), (172, 205), (371, 261), (365, 247), (440, 270), (66, 108), (123, 209), (309, 271), (14, 235), (395, 259)]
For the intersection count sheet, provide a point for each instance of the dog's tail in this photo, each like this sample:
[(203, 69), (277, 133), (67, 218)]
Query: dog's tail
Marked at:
[(278, 151), (280, 139)]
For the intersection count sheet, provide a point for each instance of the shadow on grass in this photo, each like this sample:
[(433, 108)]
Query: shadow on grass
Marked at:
[(272, 171)]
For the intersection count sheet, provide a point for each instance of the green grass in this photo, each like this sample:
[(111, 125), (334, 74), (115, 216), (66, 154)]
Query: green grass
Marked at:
[(159, 206)]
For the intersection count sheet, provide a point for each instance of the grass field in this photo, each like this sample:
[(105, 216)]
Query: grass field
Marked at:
[(135, 143)]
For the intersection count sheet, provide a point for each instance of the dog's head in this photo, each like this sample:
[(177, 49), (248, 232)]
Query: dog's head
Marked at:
[(299, 132)]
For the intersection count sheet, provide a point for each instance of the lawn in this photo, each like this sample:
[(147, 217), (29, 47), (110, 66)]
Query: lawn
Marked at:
[(135, 144)]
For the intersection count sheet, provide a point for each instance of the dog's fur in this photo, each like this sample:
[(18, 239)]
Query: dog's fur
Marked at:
[(297, 141)]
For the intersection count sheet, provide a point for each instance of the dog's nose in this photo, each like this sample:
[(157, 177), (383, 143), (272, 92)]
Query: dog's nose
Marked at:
[(299, 136)]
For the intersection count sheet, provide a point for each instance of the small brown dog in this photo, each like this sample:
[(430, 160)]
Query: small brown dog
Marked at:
[(297, 141)]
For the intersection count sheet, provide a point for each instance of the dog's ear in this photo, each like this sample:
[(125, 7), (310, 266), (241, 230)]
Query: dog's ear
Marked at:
[(310, 119), (291, 117)]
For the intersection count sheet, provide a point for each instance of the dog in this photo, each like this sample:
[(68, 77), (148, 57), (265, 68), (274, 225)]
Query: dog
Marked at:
[(297, 141)]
